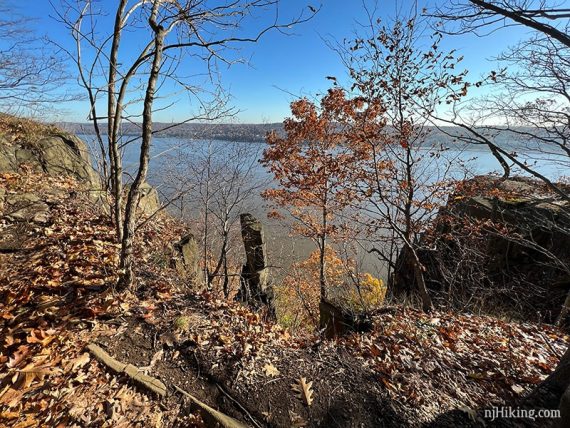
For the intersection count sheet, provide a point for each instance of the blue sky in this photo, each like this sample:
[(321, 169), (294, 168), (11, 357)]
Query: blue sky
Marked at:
[(281, 67)]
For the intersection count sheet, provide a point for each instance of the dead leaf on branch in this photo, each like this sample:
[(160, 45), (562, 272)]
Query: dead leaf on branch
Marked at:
[(304, 390)]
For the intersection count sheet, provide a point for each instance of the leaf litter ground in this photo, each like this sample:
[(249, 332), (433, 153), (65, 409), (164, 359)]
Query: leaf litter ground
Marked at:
[(56, 296)]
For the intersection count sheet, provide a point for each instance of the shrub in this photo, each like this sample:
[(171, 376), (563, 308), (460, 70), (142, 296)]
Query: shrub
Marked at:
[(298, 296)]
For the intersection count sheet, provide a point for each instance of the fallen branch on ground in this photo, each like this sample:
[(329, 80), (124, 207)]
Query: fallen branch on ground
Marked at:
[(148, 382), (224, 420)]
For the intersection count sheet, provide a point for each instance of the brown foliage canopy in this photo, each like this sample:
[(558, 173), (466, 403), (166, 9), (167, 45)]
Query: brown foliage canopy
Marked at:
[(319, 155)]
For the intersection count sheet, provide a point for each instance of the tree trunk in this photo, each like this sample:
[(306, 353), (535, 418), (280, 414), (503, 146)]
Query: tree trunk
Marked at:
[(222, 259), (322, 268), (426, 299), (226, 286), (114, 155), (409, 232), (548, 394), (322, 255), (129, 222), (206, 222), (563, 316), (420, 282)]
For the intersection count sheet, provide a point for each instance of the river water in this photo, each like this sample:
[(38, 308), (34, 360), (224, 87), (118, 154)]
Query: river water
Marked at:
[(200, 169)]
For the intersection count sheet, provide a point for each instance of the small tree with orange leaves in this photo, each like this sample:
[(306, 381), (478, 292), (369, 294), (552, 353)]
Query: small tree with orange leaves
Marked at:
[(313, 163)]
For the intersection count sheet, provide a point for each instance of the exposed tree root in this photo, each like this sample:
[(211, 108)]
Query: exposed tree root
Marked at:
[(148, 382)]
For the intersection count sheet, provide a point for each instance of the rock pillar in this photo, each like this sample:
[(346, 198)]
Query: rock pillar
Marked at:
[(255, 287), (187, 258)]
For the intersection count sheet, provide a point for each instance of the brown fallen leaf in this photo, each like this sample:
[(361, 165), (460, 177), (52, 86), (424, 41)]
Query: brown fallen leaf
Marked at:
[(30, 421), (11, 397), (303, 390), (226, 340), (41, 337), (9, 415), (27, 375), (80, 378), (518, 389), (9, 340), (80, 361), (18, 356), (270, 370), (296, 420)]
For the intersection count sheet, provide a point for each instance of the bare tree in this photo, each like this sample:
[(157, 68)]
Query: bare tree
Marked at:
[(170, 30), (485, 16), (221, 182), (404, 70), (530, 106), (31, 74), (531, 102)]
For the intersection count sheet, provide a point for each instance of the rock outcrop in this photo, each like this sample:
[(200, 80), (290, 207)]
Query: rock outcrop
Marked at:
[(24, 207), (499, 244), (54, 153), (255, 287), (149, 201), (25, 146)]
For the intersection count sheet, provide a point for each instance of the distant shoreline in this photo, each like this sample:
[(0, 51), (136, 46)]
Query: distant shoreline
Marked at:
[(256, 133)]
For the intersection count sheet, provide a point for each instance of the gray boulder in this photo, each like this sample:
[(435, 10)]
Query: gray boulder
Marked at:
[(7, 156), (66, 154), (25, 207), (149, 201), (54, 153)]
